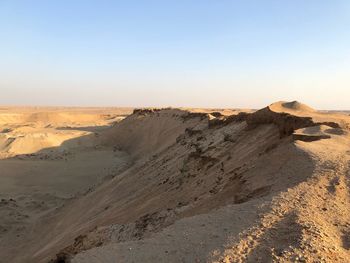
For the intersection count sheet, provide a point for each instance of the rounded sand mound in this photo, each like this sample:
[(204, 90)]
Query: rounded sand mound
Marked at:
[(283, 106)]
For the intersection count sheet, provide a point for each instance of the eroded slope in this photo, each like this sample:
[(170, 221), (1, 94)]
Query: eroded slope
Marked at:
[(248, 187)]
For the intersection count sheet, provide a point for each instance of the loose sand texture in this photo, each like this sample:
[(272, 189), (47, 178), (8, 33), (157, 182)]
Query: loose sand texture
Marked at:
[(47, 157), (175, 185)]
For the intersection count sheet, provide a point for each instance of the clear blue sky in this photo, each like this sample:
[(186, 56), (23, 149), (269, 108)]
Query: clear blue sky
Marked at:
[(202, 53)]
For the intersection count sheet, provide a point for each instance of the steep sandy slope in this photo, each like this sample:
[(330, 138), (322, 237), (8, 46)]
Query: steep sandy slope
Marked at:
[(28, 130), (289, 205), (44, 163), (251, 187), (17, 142), (149, 131)]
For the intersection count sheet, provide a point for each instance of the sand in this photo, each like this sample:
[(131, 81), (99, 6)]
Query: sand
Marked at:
[(49, 156), (175, 185)]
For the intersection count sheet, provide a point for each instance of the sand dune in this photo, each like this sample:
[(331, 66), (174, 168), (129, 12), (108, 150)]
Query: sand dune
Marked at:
[(284, 106), (176, 185)]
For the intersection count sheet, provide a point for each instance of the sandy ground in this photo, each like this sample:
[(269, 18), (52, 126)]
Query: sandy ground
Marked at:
[(175, 185), (50, 156)]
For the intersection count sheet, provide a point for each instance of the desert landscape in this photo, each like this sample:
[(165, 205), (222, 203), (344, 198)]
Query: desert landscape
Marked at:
[(174, 185), (174, 131)]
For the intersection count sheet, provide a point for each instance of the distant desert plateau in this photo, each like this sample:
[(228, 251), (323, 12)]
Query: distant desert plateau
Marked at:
[(109, 185)]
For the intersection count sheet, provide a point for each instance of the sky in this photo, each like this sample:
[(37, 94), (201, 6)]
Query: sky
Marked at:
[(191, 53)]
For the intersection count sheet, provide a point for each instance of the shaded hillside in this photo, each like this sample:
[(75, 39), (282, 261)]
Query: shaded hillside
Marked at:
[(208, 187)]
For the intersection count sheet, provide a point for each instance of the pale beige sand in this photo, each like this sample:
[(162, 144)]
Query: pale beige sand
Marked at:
[(268, 186), (49, 156)]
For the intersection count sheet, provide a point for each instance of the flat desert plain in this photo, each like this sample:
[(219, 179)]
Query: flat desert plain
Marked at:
[(174, 185)]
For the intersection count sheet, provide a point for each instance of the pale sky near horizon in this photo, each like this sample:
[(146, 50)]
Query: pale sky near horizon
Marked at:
[(195, 53)]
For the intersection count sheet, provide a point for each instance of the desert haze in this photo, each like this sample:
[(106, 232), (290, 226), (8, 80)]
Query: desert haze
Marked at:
[(174, 185)]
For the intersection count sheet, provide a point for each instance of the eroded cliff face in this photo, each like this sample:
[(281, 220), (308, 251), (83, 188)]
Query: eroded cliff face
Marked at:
[(286, 123), (190, 168)]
